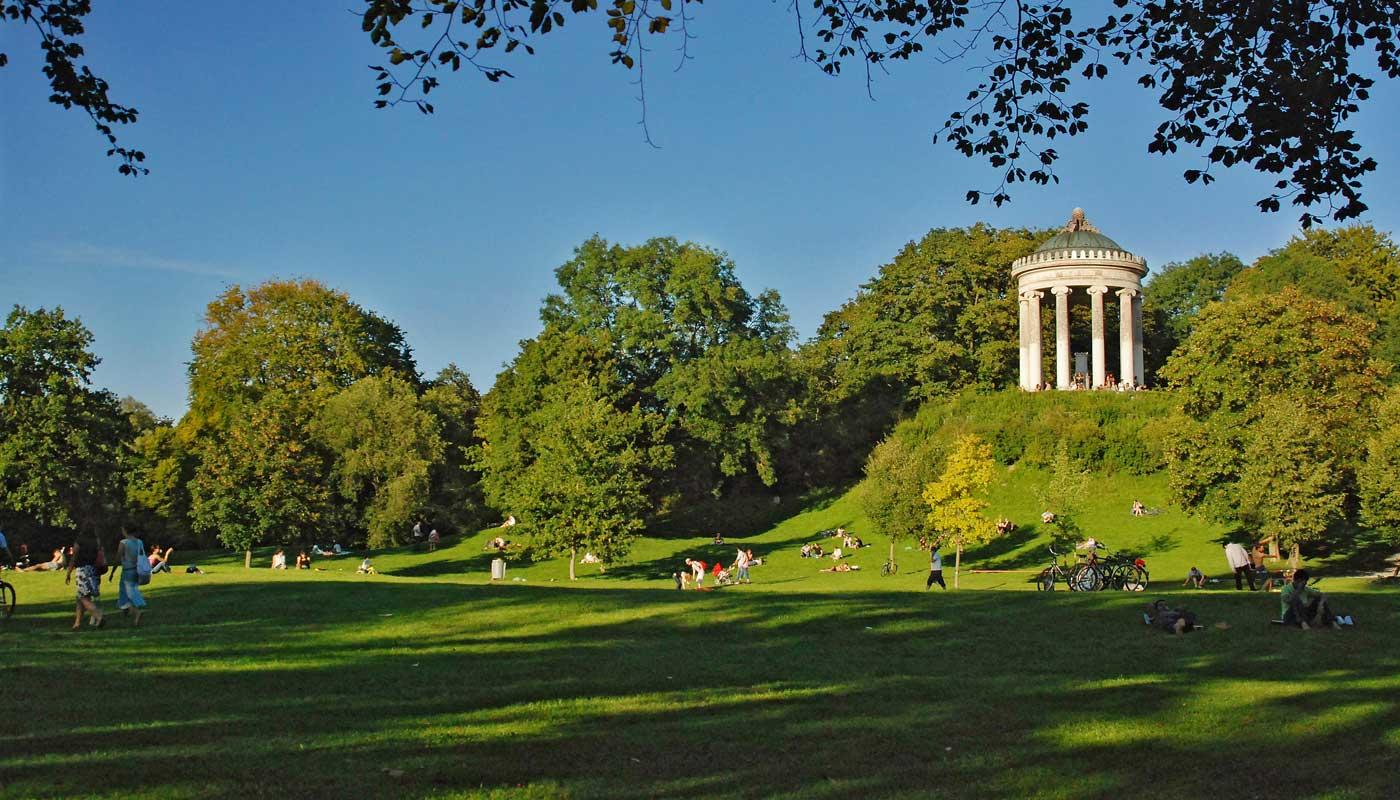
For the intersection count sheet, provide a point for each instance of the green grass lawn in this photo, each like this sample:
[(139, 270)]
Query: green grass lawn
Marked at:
[(429, 681)]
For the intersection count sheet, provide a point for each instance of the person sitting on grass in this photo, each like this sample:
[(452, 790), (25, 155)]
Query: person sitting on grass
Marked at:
[(498, 543), (160, 559), (1195, 579), (842, 567), (812, 550), (367, 568), (279, 559), (1048, 518), (1138, 509), (303, 560), (1305, 607)]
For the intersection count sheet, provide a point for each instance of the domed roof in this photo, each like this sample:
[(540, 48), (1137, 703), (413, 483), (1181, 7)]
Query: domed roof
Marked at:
[(1079, 233)]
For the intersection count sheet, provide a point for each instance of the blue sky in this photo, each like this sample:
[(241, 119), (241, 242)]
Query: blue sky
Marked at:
[(268, 161)]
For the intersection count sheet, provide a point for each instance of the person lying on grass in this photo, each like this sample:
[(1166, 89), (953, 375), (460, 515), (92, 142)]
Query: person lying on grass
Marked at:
[(842, 567), (1171, 620), (53, 565)]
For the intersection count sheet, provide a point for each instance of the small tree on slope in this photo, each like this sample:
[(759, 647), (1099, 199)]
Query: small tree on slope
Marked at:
[(959, 496)]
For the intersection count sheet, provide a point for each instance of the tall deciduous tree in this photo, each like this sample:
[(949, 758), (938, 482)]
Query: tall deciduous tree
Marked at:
[(892, 494), (1379, 476), (263, 478), (583, 485), (384, 444), (1245, 352), (1356, 267), (265, 364), (1290, 487), (939, 317), (455, 500), (959, 496), (668, 327), (61, 441)]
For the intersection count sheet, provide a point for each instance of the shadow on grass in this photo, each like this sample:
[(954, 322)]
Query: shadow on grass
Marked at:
[(635, 693)]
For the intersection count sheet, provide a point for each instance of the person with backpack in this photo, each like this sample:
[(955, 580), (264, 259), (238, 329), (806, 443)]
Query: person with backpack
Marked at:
[(136, 570)]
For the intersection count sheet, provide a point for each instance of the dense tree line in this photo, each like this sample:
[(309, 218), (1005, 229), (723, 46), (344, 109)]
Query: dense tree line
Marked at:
[(659, 385)]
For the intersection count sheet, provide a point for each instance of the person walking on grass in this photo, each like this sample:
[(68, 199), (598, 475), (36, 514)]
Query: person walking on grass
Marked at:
[(935, 568), (1238, 558), (741, 565), (131, 551), (84, 562)]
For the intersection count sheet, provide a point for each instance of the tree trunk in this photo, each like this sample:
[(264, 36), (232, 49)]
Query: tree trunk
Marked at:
[(1295, 556), (957, 564), (891, 551), (247, 559), (572, 552)]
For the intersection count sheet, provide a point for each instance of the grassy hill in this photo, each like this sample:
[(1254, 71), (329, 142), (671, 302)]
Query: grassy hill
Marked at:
[(427, 681)]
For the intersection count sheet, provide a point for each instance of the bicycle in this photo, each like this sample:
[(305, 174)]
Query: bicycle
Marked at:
[(7, 599), (1055, 573), (889, 568)]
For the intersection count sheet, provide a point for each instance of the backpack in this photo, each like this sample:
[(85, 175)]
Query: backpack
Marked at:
[(143, 564)]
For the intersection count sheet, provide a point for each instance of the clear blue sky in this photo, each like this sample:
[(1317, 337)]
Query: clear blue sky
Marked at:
[(268, 161)]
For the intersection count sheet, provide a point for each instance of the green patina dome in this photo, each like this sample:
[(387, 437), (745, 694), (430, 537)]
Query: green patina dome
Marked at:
[(1078, 234)]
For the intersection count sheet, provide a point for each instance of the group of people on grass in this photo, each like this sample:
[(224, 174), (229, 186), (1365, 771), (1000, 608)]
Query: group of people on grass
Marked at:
[(1247, 565), (1301, 605), (86, 563), (692, 576)]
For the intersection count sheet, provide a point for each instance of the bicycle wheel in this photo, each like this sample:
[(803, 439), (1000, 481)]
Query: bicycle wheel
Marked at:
[(1140, 578), (1085, 578), (7, 600), (1045, 581)]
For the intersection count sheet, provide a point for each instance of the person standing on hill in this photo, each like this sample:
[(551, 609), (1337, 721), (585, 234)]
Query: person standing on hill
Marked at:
[(1238, 559), (741, 564), (935, 568), (129, 551)]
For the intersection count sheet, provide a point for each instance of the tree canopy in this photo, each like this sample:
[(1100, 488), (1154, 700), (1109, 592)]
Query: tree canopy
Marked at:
[(1270, 85), (667, 328), (1245, 358), (61, 441)]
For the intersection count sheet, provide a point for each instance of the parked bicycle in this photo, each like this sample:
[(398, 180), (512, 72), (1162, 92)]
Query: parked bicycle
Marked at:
[(1059, 573)]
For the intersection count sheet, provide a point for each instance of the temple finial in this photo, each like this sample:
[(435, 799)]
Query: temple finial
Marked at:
[(1077, 222)]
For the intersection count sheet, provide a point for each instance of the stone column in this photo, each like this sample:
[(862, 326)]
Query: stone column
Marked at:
[(1125, 334), (1097, 358), (1061, 336), (1023, 375), (1033, 357), (1138, 368)]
